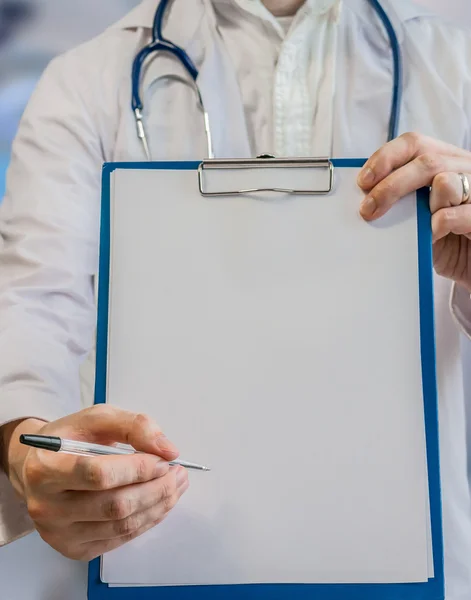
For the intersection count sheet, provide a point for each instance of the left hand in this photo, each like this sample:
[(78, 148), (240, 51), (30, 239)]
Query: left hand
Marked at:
[(413, 161)]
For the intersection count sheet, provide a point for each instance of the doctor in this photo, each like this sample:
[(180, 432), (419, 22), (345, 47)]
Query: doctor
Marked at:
[(287, 77)]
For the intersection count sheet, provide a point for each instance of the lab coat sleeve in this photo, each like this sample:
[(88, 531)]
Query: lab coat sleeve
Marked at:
[(49, 223), (460, 301)]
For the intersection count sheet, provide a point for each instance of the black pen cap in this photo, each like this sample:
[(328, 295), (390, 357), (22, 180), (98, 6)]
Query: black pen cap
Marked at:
[(46, 442)]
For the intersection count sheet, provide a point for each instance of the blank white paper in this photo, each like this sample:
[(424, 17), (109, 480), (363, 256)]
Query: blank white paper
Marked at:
[(275, 339)]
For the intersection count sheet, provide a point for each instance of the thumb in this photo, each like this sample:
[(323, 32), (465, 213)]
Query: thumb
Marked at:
[(117, 425)]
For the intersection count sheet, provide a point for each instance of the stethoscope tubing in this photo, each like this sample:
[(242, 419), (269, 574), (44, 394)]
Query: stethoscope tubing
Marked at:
[(160, 44)]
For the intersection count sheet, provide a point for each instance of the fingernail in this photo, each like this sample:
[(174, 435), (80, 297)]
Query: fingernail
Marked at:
[(181, 476), (165, 444), (368, 207), (366, 177)]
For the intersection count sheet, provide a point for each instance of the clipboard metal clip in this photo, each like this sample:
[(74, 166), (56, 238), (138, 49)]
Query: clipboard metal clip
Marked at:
[(267, 162)]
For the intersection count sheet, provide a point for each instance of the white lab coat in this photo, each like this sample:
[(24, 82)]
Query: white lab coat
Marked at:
[(80, 116)]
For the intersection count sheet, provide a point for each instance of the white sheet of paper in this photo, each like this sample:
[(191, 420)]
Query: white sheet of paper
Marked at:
[(275, 339)]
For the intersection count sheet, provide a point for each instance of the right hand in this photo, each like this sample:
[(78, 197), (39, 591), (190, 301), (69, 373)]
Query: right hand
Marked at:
[(86, 506)]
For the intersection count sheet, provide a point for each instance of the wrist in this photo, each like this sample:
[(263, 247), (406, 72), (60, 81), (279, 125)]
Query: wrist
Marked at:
[(13, 453)]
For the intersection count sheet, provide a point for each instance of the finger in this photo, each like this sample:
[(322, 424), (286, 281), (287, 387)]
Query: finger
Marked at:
[(136, 429), (90, 532), (414, 175), (456, 219), (69, 472), (447, 191), (122, 502), (400, 151), (89, 551)]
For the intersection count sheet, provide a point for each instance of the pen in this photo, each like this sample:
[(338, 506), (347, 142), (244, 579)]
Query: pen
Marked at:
[(57, 444)]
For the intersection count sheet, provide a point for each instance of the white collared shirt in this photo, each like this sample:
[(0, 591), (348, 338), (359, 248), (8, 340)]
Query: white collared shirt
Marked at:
[(291, 113)]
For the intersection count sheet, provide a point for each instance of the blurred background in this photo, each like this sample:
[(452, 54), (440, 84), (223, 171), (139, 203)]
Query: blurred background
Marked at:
[(32, 32)]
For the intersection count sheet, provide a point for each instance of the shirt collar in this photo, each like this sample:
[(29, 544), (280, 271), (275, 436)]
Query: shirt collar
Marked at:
[(256, 10), (259, 10), (313, 6)]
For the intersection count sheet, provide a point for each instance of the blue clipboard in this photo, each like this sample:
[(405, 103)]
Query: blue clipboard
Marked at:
[(433, 589)]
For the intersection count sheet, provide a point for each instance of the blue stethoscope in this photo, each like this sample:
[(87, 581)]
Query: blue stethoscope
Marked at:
[(160, 43)]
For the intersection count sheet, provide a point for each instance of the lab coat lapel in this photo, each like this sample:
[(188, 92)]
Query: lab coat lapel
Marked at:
[(364, 82), (221, 96), (171, 110)]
